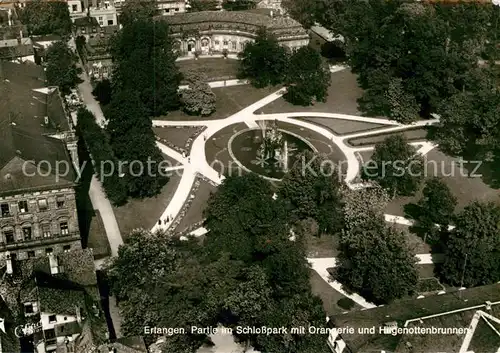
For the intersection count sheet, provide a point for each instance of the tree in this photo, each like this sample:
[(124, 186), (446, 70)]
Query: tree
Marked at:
[(378, 263), (244, 219), (198, 98), (137, 10), (102, 91), (134, 144), (472, 249), (238, 5), (97, 143), (311, 188), (307, 78), (408, 41), (364, 207), (61, 67), (396, 166), (144, 61), (403, 106), (437, 204), (203, 5), (264, 61), (302, 10), (46, 17)]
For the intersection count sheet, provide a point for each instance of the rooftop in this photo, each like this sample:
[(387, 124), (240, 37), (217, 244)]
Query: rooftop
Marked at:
[(25, 132), (462, 310), (245, 17)]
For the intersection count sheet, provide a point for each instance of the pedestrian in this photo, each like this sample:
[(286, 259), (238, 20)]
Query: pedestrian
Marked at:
[(164, 221), (189, 159), (204, 137), (159, 222), (168, 219), (183, 154)]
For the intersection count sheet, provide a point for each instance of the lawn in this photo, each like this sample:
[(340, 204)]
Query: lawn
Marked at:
[(199, 201), (466, 189), (342, 98), (230, 100), (177, 135), (343, 127), (144, 213), (418, 134), (216, 69), (329, 296)]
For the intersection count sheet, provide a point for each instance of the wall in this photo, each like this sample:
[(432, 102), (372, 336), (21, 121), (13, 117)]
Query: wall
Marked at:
[(35, 218), (44, 319)]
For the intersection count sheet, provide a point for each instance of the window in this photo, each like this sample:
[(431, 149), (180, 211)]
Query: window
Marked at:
[(66, 248), (74, 8), (46, 230), (224, 42), (217, 42), (167, 10), (234, 45), (60, 201), (64, 228), (176, 9), (23, 206), (42, 205), (28, 308), (48, 251), (27, 233), (52, 319), (110, 22), (94, 30), (100, 18), (4, 207), (9, 236), (31, 254)]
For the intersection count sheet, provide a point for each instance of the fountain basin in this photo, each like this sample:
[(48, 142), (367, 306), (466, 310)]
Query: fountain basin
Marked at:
[(244, 145)]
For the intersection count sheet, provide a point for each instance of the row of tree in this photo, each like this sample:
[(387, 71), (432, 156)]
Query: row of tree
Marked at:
[(246, 273), (265, 62)]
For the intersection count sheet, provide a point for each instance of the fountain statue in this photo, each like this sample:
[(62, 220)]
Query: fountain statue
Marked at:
[(274, 146)]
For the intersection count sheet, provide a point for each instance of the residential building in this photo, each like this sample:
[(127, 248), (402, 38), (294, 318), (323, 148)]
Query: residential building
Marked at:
[(37, 178), (463, 321), (216, 31), (171, 7), (56, 301), (104, 12), (18, 50)]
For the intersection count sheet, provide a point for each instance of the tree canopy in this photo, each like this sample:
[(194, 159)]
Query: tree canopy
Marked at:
[(61, 67), (137, 10), (308, 78), (263, 62), (312, 189), (396, 166), (472, 249), (203, 5), (198, 98), (377, 262), (134, 144), (238, 5), (144, 61), (46, 17)]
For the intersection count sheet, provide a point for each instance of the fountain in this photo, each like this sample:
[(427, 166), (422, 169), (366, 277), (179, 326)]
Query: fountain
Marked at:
[(268, 151)]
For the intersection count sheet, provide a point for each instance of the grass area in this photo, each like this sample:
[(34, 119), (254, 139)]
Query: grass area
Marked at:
[(216, 69), (466, 189), (426, 285), (328, 295), (175, 135), (321, 246), (230, 100), (426, 271), (144, 213), (195, 212), (98, 240), (343, 127), (418, 134), (342, 98)]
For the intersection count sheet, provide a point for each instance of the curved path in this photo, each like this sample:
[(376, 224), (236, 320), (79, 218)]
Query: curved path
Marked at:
[(196, 164)]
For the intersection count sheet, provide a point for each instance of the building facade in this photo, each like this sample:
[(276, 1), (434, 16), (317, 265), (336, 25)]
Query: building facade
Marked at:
[(37, 167), (210, 32)]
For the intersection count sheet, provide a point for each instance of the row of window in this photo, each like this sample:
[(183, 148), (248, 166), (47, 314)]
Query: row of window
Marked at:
[(174, 10), (23, 206), (8, 234)]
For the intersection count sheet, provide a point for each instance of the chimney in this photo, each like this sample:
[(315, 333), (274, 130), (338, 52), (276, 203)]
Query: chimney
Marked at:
[(10, 269), (54, 266)]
